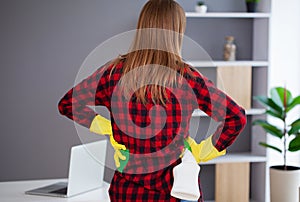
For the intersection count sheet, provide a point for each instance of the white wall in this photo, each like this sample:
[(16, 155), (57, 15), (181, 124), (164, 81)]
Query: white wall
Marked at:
[(285, 59), (284, 63)]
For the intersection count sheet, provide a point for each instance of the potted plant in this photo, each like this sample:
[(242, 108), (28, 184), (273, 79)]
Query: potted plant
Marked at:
[(284, 179), (201, 7), (251, 5)]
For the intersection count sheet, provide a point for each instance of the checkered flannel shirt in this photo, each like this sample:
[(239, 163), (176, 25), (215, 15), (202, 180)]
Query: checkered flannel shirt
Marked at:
[(148, 174)]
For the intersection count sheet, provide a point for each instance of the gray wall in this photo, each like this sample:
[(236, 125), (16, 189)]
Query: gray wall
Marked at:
[(42, 45)]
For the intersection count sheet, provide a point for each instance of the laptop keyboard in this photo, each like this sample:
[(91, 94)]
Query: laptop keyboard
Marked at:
[(60, 191)]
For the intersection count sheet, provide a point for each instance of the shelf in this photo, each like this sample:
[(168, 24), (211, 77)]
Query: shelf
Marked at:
[(226, 79), (237, 158), (215, 201), (227, 15), (198, 112), (217, 63)]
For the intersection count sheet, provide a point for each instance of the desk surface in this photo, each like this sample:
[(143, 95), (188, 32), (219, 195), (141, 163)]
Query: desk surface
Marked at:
[(15, 192)]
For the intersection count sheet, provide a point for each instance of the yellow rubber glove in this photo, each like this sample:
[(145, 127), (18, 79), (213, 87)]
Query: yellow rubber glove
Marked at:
[(102, 126), (204, 151)]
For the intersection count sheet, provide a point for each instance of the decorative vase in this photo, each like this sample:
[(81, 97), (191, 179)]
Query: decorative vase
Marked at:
[(251, 7), (284, 184), (201, 9), (229, 53)]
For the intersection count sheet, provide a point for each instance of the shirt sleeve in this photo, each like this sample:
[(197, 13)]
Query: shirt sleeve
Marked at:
[(220, 107), (89, 92)]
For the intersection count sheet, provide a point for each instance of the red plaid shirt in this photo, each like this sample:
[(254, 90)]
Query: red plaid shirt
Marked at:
[(148, 174)]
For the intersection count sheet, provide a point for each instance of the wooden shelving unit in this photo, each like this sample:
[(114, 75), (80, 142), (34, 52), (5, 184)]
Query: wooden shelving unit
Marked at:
[(257, 57)]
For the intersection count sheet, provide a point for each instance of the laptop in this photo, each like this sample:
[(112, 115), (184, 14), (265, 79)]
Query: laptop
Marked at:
[(86, 172)]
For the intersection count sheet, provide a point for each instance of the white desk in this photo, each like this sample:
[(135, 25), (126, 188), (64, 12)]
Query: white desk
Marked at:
[(14, 192)]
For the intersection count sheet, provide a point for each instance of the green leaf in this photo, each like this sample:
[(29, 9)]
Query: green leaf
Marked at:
[(295, 144), (269, 103), (269, 128), (295, 101), (295, 127), (252, 1), (275, 114), (277, 95), (270, 146)]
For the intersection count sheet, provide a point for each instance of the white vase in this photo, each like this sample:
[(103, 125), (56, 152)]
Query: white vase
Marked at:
[(201, 9), (284, 185)]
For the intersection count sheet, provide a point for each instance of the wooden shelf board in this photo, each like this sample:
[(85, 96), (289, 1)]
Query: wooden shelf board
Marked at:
[(236, 158), (214, 200), (217, 63), (227, 15), (254, 111)]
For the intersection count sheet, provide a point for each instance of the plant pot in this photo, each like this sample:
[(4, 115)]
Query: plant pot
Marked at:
[(284, 184), (251, 7), (201, 9)]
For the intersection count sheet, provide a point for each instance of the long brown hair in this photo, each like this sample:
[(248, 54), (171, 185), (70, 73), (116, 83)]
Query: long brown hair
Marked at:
[(157, 43)]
